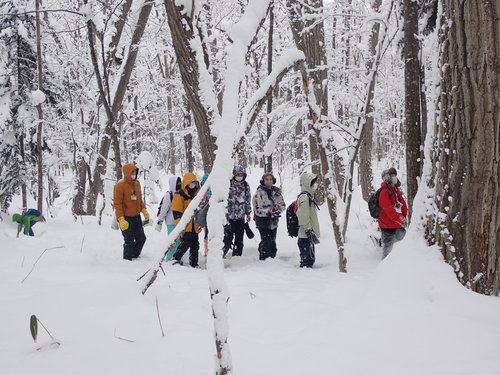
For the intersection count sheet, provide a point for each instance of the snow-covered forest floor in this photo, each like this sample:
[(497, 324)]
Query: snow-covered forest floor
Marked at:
[(405, 315)]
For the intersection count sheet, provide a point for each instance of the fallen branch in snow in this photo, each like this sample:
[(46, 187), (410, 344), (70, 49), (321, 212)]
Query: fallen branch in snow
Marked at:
[(121, 338), (81, 247), (34, 264), (159, 319)]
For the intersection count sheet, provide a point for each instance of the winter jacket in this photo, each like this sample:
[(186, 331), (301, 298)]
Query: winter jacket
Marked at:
[(306, 209), (264, 200), (127, 196), (166, 214), (389, 218), (239, 201), (27, 220), (181, 201)]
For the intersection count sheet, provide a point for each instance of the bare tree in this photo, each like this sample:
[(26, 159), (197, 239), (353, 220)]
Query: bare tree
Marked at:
[(269, 128), (467, 155), (39, 138), (113, 108), (413, 89), (365, 152), (184, 30)]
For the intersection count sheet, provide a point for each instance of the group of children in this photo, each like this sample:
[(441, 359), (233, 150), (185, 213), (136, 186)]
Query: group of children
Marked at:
[(268, 205)]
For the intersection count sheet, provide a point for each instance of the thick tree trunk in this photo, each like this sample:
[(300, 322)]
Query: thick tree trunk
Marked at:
[(182, 31), (413, 90), (365, 152), (467, 226)]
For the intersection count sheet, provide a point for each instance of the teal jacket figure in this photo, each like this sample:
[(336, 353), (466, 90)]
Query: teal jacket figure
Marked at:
[(26, 221)]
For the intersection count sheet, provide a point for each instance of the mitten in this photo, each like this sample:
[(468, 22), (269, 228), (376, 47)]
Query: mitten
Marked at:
[(123, 223), (146, 214)]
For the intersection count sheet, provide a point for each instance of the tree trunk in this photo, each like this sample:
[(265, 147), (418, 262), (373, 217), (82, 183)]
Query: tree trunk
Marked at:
[(182, 31), (39, 138), (467, 226), (312, 43), (303, 17), (188, 138), (412, 99), (365, 152), (269, 128), (112, 111)]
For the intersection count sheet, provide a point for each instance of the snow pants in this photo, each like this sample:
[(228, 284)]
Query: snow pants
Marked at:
[(189, 241), (134, 237), (267, 245), (307, 252), (236, 229), (389, 238)]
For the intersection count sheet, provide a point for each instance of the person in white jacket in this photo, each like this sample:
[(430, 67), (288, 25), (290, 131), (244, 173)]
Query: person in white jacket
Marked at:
[(165, 213)]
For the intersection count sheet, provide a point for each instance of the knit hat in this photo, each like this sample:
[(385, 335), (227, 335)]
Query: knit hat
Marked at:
[(386, 175)]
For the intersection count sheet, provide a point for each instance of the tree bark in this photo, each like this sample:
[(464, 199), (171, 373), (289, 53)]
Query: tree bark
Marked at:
[(269, 128), (413, 108), (303, 17), (182, 32), (365, 152), (467, 225), (39, 138)]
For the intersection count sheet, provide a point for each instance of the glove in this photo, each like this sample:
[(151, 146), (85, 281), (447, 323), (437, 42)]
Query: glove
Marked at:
[(123, 223), (312, 236), (146, 214), (158, 226)]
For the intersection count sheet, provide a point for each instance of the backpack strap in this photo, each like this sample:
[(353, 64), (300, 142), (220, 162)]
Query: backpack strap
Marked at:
[(311, 198)]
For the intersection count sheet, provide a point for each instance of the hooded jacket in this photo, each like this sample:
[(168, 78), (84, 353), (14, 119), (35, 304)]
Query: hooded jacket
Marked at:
[(306, 210), (182, 198), (264, 199), (389, 218), (166, 214), (239, 201), (124, 193)]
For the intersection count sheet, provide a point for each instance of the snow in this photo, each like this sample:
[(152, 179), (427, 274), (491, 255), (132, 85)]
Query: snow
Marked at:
[(288, 58), (405, 315), (37, 97)]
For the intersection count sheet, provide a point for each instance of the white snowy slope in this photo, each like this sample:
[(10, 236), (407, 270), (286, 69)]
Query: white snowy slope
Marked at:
[(405, 315)]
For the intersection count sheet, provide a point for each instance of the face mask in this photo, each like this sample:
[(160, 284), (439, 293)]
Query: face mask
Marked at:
[(315, 186), (239, 178), (192, 185), (394, 180), (134, 176), (268, 183)]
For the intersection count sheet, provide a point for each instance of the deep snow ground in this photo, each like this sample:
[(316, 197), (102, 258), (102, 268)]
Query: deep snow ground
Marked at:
[(405, 315)]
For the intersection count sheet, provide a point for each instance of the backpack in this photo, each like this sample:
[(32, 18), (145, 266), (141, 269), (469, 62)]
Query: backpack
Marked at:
[(292, 221), (373, 202), (161, 202)]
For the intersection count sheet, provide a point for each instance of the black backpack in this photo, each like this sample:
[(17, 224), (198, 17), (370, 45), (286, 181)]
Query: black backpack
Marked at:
[(292, 221), (373, 204)]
